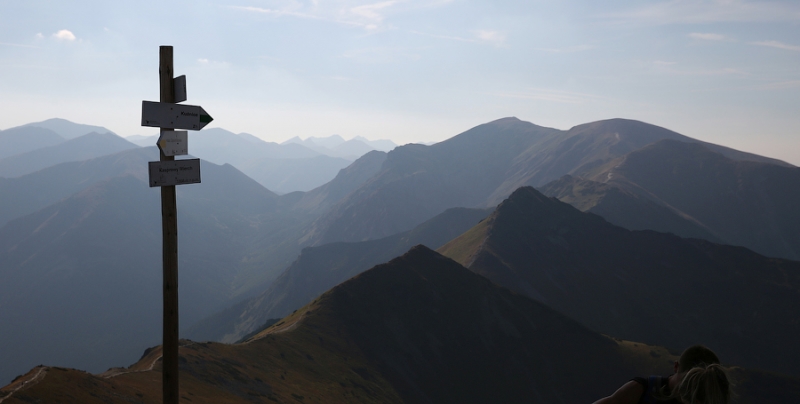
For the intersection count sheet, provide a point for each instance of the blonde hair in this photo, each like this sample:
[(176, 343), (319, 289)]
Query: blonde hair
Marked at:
[(696, 355), (704, 384)]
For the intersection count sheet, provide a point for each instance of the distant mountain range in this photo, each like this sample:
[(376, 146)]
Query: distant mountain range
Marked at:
[(336, 146), (32, 136), (68, 130), (294, 165), (482, 166), (79, 236), (24, 139), (81, 148), (418, 329), (31, 192)]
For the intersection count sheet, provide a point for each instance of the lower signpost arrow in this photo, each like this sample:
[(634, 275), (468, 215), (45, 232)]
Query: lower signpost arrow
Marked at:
[(176, 172)]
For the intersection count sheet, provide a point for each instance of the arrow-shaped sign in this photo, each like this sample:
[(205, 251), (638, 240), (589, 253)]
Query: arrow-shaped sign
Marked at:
[(174, 142), (175, 116)]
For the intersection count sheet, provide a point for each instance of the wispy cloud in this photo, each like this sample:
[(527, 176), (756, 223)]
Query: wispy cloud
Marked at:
[(707, 11), (492, 37), (277, 12), (706, 36), (367, 15), (212, 63), (777, 44), (372, 11), (64, 35), (370, 15)]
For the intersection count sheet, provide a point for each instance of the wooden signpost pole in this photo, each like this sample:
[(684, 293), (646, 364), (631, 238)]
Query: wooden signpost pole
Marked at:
[(166, 173), (169, 225)]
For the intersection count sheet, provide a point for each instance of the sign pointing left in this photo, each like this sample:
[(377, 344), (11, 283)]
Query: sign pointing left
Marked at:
[(174, 142), (175, 116)]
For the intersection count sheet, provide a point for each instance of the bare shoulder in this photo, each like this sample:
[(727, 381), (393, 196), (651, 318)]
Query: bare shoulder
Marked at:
[(629, 393)]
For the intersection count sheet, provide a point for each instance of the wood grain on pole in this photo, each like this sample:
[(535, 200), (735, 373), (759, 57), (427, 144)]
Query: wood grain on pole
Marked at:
[(169, 225)]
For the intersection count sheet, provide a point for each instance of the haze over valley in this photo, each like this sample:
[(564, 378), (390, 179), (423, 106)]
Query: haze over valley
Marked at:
[(484, 267)]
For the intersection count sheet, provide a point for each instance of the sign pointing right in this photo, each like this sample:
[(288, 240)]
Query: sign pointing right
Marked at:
[(175, 116)]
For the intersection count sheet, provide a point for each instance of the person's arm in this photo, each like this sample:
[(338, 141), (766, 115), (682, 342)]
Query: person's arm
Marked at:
[(629, 393)]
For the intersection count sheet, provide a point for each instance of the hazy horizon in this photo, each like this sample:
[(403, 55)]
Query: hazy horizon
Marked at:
[(722, 71)]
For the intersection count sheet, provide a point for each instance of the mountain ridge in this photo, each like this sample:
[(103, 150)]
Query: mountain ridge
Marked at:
[(612, 279), (742, 202), (479, 168), (20, 140), (80, 148), (318, 269), (418, 329)]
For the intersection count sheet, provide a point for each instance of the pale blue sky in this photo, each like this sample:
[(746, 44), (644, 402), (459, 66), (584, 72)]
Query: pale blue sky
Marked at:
[(724, 71)]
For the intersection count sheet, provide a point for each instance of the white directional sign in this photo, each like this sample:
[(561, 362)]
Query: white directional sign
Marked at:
[(177, 172), (175, 116), (174, 142)]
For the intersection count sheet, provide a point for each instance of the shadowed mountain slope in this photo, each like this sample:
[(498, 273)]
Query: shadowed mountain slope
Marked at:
[(318, 269), (439, 333), (23, 139), (347, 179), (625, 209), (82, 276), (417, 182), (640, 285), (81, 148), (745, 203), (584, 145), (480, 168), (419, 329), (63, 277)]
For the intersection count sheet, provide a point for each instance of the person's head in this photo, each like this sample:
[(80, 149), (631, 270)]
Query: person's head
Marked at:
[(694, 356), (704, 384)]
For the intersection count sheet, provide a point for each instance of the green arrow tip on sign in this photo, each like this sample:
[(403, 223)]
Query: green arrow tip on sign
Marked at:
[(206, 118)]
